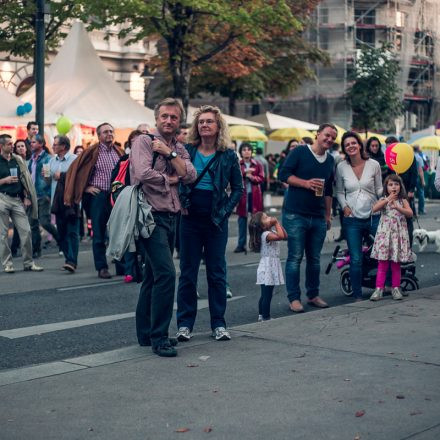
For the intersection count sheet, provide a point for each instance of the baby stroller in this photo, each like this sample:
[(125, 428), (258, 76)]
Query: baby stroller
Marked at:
[(341, 257)]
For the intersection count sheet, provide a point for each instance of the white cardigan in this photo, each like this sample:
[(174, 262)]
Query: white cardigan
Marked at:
[(358, 194)]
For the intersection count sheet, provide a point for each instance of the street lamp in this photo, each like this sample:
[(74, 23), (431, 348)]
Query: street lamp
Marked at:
[(42, 11)]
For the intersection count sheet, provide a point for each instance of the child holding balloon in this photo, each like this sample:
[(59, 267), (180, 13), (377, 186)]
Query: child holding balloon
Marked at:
[(391, 243)]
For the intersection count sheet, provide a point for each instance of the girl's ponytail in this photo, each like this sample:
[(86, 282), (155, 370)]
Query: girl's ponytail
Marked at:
[(255, 231)]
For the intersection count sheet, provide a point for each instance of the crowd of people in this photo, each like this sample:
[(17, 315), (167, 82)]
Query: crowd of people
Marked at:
[(193, 179)]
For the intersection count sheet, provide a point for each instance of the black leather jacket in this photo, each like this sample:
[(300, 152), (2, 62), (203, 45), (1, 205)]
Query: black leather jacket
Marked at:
[(225, 172)]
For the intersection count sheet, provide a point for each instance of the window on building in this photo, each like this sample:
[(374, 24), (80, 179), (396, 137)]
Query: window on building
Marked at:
[(365, 37), (323, 15), (365, 16)]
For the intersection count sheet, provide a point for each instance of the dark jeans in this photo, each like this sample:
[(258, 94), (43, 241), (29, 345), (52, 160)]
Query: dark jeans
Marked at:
[(265, 300), (15, 243), (420, 192), (44, 221), (99, 209), (305, 234), (68, 233), (355, 230), (242, 224), (156, 298), (199, 235)]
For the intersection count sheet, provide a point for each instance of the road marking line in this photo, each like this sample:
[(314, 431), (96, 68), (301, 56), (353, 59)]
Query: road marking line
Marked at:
[(85, 286), (65, 325)]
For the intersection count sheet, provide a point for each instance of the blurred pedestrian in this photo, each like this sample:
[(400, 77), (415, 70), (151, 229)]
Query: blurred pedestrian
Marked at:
[(263, 162), (89, 180), (420, 186), (32, 130), (16, 192), (252, 200)]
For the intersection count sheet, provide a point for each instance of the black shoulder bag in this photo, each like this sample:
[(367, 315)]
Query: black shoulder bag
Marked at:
[(185, 190)]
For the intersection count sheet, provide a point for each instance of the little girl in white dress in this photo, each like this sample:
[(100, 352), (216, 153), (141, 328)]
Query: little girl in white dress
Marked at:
[(265, 234)]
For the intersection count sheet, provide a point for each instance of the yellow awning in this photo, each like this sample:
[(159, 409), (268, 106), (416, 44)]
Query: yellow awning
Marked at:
[(285, 134), (246, 133)]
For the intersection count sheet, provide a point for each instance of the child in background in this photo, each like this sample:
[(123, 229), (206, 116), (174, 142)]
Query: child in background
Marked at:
[(391, 244), (265, 233)]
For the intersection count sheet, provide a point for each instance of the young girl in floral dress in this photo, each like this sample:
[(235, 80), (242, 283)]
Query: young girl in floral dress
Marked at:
[(391, 244)]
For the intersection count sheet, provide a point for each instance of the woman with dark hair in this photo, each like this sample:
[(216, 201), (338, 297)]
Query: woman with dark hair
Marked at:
[(204, 223), (358, 187), (78, 150), (252, 199), (374, 151)]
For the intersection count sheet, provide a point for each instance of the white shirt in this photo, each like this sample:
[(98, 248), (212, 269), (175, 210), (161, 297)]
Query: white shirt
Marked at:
[(359, 194), (61, 165), (319, 157)]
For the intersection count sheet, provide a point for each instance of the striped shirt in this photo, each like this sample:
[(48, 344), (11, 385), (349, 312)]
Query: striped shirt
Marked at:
[(102, 172)]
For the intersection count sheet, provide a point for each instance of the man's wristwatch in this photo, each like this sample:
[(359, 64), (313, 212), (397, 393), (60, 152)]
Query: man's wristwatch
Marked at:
[(171, 156)]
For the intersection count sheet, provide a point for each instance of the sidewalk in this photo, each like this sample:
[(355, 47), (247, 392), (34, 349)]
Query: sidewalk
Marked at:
[(359, 371)]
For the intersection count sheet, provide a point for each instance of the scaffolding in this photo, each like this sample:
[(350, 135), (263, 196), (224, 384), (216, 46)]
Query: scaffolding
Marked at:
[(343, 27)]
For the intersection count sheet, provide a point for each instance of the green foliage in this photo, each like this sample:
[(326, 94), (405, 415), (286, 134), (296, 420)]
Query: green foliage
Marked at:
[(375, 97), (17, 34)]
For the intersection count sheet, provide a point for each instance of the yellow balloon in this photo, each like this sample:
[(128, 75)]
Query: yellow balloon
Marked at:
[(404, 157)]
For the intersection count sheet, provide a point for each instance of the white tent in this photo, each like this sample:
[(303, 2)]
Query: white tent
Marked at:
[(8, 110), (231, 120), (79, 87), (272, 121)]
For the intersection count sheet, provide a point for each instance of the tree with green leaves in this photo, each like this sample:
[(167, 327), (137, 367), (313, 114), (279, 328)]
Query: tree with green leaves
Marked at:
[(194, 31), (375, 97), (17, 34)]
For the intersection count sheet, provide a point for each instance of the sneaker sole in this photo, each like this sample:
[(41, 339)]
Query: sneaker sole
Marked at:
[(223, 338), (182, 338)]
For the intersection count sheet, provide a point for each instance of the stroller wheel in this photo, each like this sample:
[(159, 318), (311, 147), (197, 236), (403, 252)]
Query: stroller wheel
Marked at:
[(346, 283), (409, 284)]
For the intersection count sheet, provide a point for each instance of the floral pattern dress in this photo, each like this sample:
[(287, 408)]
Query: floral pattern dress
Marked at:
[(270, 272), (392, 239)]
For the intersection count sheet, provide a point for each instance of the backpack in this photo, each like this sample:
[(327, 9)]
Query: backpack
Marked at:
[(121, 174)]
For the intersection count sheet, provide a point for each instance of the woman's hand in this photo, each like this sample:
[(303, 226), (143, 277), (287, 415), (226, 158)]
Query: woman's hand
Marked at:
[(347, 211)]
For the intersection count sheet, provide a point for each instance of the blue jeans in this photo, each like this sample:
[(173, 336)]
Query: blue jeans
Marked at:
[(355, 229), (68, 235), (305, 234), (99, 209), (196, 236), (420, 193)]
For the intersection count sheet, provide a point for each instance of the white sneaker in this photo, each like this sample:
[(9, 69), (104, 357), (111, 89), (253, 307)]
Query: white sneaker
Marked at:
[(260, 318), (183, 334), (377, 294), (228, 292), (396, 293), (221, 334), (33, 267), (9, 268)]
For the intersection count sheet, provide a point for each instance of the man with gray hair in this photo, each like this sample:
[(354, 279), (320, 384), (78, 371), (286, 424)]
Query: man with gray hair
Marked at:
[(159, 165), (89, 180), (16, 193)]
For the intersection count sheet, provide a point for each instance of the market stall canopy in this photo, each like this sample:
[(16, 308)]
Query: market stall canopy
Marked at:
[(8, 111), (231, 120), (428, 143), (246, 133), (79, 86), (271, 121), (285, 134)]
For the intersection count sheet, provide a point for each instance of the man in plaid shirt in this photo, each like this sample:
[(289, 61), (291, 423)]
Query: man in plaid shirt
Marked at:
[(89, 179)]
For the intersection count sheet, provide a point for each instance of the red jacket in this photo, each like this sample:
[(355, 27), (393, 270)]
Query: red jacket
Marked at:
[(256, 179)]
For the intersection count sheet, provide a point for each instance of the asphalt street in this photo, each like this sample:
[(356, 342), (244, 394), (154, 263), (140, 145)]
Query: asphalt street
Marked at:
[(53, 316)]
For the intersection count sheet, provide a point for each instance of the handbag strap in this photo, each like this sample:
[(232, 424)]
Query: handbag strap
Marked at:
[(200, 176)]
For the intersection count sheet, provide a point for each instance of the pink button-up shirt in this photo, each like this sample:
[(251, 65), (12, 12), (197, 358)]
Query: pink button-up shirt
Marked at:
[(162, 196)]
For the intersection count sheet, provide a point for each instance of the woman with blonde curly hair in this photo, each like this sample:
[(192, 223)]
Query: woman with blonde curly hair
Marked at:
[(204, 226)]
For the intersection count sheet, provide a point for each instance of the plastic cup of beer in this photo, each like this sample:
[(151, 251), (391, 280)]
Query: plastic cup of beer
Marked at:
[(319, 192), (13, 172), (46, 170)]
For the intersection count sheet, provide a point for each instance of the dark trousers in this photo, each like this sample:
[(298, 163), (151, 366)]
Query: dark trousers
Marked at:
[(156, 298), (265, 300), (68, 234), (199, 235), (99, 210), (15, 244), (44, 221), (242, 224)]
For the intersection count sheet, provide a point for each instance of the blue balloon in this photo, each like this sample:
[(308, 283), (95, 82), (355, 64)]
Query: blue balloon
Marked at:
[(27, 107), (20, 110)]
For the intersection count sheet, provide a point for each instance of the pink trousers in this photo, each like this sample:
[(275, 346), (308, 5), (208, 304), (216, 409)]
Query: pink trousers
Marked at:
[(382, 270)]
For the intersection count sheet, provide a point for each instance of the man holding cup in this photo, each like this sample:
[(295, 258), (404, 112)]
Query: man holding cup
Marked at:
[(16, 192), (40, 171), (308, 170)]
